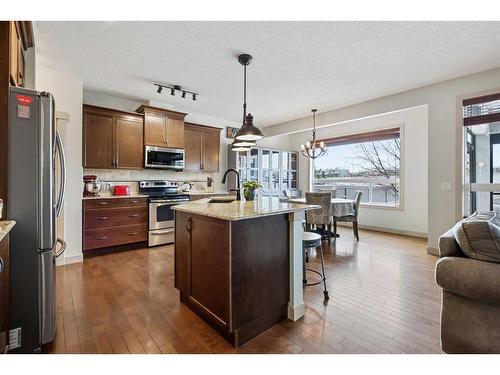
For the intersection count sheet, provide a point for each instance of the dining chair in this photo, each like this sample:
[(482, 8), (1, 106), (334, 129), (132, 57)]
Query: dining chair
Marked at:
[(321, 216), (351, 218)]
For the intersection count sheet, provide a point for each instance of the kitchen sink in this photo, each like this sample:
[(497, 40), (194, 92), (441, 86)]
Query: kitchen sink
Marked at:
[(221, 200)]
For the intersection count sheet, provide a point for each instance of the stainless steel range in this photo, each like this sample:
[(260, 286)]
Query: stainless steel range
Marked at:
[(162, 196)]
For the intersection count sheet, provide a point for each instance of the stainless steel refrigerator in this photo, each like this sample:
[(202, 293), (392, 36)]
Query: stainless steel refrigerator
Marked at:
[(35, 199)]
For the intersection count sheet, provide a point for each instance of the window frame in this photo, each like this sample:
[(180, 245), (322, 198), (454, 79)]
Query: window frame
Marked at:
[(360, 135)]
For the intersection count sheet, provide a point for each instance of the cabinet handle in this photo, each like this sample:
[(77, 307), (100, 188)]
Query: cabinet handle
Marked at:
[(103, 203), (101, 238), (102, 218), (189, 224), (134, 215), (1, 265), (133, 233), (135, 201)]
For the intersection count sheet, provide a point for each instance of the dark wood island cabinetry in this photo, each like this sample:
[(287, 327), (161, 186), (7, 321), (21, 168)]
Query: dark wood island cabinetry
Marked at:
[(236, 264)]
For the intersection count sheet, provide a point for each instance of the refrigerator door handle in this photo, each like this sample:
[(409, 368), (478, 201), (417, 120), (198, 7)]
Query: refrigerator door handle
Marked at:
[(62, 249), (62, 161)]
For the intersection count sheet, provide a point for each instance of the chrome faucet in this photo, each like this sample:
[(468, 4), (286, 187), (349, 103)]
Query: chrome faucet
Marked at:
[(237, 190)]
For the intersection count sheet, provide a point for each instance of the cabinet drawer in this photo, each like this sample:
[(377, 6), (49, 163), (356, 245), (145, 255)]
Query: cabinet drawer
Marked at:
[(115, 202), (112, 217), (104, 237)]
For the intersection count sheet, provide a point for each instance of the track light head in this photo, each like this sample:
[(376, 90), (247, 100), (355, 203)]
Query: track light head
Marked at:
[(172, 91), (183, 94), (194, 96), (159, 89)]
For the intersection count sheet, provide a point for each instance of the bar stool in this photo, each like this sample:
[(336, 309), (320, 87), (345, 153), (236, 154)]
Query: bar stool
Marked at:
[(312, 240)]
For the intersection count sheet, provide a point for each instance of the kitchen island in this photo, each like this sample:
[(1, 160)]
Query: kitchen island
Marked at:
[(238, 265)]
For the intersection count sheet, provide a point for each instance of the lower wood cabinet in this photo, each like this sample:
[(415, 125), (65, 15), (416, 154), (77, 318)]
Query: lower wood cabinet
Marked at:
[(233, 274), (112, 222)]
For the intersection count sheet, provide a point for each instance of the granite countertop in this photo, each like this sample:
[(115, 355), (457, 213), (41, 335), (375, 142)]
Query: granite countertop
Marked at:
[(201, 192), (5, 227), (241, 210), (111, 196)]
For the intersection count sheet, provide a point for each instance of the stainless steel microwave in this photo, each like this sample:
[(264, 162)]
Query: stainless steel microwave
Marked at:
[(164, 158)]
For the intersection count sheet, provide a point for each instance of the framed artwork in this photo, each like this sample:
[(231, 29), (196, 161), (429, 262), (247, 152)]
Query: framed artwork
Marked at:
[(231, 132)]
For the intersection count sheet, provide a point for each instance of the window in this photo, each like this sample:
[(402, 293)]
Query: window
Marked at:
[(275, 169), (368, 162), (481, 120)]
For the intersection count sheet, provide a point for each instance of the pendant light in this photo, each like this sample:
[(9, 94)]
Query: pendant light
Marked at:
[(248, 133), (310, 149)]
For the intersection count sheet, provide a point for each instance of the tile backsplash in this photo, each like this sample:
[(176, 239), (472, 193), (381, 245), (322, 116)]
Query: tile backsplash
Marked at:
[(113, 177)]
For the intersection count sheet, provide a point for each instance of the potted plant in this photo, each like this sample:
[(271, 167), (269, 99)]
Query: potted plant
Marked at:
[(249, 188)]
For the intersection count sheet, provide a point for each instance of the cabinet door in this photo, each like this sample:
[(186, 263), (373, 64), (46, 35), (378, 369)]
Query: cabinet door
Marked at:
[(210, 147), (175, 133), (154, 129), (14, 54), (129, 142), (98, 147), (192, 157), (209, 267)]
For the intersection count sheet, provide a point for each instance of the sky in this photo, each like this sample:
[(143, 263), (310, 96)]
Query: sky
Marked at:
[(345, 157)]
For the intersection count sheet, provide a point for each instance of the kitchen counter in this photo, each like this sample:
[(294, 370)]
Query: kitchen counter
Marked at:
[(238, 265), (5, 227), (201, 192), (241, 210), (110, 196)]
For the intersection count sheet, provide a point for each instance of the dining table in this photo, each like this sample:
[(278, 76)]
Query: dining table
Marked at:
[(340, 207)]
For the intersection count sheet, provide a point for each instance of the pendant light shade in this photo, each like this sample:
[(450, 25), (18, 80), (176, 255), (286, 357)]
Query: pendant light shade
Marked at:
[(240, 143), (248, 133)]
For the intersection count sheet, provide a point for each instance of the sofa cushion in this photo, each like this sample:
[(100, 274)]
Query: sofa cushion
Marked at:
[(479, 236), (469, 278)]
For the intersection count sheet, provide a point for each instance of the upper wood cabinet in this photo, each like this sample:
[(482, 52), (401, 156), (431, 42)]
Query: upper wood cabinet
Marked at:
[(112, 139), (202, 148), (20, 39), (163, 128)]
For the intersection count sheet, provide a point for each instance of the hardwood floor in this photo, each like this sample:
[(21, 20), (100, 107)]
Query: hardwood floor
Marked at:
[(383, 299)]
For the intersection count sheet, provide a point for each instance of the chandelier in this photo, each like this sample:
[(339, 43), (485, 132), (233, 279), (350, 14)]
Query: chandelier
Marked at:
[(311, 149)]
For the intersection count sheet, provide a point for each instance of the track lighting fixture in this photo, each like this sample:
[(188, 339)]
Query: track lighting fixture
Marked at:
[(174, 88)]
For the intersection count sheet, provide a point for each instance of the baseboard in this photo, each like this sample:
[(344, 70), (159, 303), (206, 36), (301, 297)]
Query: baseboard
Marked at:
[(432, 251), (69, 259), (386, 230)]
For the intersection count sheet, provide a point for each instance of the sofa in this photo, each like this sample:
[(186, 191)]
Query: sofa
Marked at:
[(468, 272)]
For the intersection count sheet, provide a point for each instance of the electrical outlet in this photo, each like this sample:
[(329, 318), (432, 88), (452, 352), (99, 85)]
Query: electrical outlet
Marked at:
[(446, 186), (14, 338)]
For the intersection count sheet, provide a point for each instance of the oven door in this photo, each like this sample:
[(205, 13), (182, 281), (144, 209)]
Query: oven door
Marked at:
[(164, 158), (161, 214)]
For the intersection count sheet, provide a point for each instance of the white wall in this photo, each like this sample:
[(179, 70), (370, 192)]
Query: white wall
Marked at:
[(411, 217), (67, 89), (445, 135)]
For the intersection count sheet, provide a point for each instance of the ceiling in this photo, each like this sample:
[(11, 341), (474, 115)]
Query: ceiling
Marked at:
[(296, 65)]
